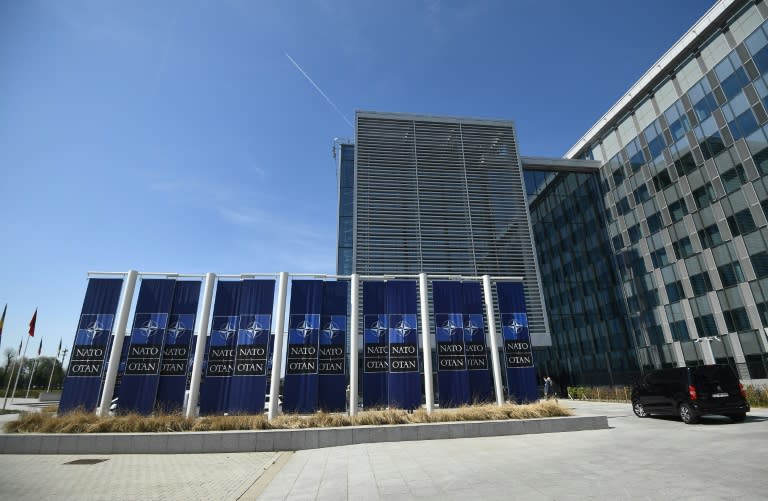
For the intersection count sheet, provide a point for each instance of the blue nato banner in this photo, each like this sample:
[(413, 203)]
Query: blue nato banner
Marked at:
[(521, 375), (301, 362), (478, 369), (82, 384), (177, 348), (375, 345), (138, 386), (404, 381), (452, 375), (215, 387), (248, 383), (332, 378)]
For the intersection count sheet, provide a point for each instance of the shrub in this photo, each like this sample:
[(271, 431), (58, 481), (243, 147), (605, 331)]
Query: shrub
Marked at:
[(87, 422)]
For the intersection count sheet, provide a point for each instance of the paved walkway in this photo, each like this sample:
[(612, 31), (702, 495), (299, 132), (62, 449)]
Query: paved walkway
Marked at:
[(637, 459), (654, 458)]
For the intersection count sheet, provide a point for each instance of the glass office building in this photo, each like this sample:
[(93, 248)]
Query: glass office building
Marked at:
[(683, 183), (653, 253), (591, 342)]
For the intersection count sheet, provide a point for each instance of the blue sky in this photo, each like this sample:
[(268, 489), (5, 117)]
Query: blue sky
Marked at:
[(177, 136)]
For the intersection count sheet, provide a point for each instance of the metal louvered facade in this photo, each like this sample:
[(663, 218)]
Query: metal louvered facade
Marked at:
[(445, 196)]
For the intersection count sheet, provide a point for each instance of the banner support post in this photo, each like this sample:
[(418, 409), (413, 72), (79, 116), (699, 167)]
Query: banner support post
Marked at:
[(117, 344), (354, 280), (277, 351), (426, 345), (491, 321), (202, 334)]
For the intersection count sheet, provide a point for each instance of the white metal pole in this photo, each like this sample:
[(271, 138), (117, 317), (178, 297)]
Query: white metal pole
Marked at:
[(706, 349), (117, 343), (353, 355), (29, 386), (21, 366), (490, 322), (8, 385), (277, 351), (426, 345), (202, 334), (50, 379)]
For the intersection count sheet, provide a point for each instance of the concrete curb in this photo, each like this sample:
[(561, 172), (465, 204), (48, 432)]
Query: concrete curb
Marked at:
[(281, 440)]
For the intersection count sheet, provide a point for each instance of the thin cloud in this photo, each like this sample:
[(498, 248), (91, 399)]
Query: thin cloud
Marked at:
[(250, 218)]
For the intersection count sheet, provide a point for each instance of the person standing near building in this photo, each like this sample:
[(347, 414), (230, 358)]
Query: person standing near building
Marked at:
[(548, 387)]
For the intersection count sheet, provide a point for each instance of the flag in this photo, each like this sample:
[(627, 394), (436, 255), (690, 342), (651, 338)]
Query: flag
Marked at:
[(20, 347), (32, 324), (2, 321), (40, 349), (58, 350)]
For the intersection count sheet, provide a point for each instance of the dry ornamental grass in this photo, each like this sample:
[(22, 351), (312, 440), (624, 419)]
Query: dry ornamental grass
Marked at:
[(88, 422)]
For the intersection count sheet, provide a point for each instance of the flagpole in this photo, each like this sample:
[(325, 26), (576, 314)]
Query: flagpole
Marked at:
[(34, 368), (8, 386), (50, 379), (21, 364)]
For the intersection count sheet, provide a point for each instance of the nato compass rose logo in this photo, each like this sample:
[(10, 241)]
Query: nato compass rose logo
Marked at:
[(93, 329), (379, 328), (471, 328), (515, 326), (450, 327), (332, 329), (403, 329), (304, 328), (150, 327), (254, 329), (177, 329), (228, 329)]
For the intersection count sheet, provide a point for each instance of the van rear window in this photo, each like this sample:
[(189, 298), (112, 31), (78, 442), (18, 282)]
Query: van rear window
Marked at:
[(714, 374)]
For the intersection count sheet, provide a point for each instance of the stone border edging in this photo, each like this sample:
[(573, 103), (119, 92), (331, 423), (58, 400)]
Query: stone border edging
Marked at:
[(281, 440)]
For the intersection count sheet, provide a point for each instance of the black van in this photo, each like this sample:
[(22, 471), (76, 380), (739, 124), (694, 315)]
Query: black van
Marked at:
[(691, 392)]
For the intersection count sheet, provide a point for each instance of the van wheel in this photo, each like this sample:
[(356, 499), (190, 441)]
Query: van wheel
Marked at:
[(687, 414), (638, 409), (738, 418)]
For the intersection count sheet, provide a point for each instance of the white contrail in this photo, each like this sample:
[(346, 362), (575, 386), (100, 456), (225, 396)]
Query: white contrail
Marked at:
[(319, 90)]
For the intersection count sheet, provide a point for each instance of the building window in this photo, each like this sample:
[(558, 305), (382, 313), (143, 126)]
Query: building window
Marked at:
[(675, 291), (682, 248), (704, 196), (622, 206), (618, 176), (741, 223), (662, 180), (659, 258), (710, 236), (655, 335), (677, 210), (679, 331), (703, 101), (712, 145), (701, 284), (685, 164), (730, 274), (733, 179), (641, 194), (705, 325), (654, 222), (760, 264), (634, 233), (736, 319), (743, 125)]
